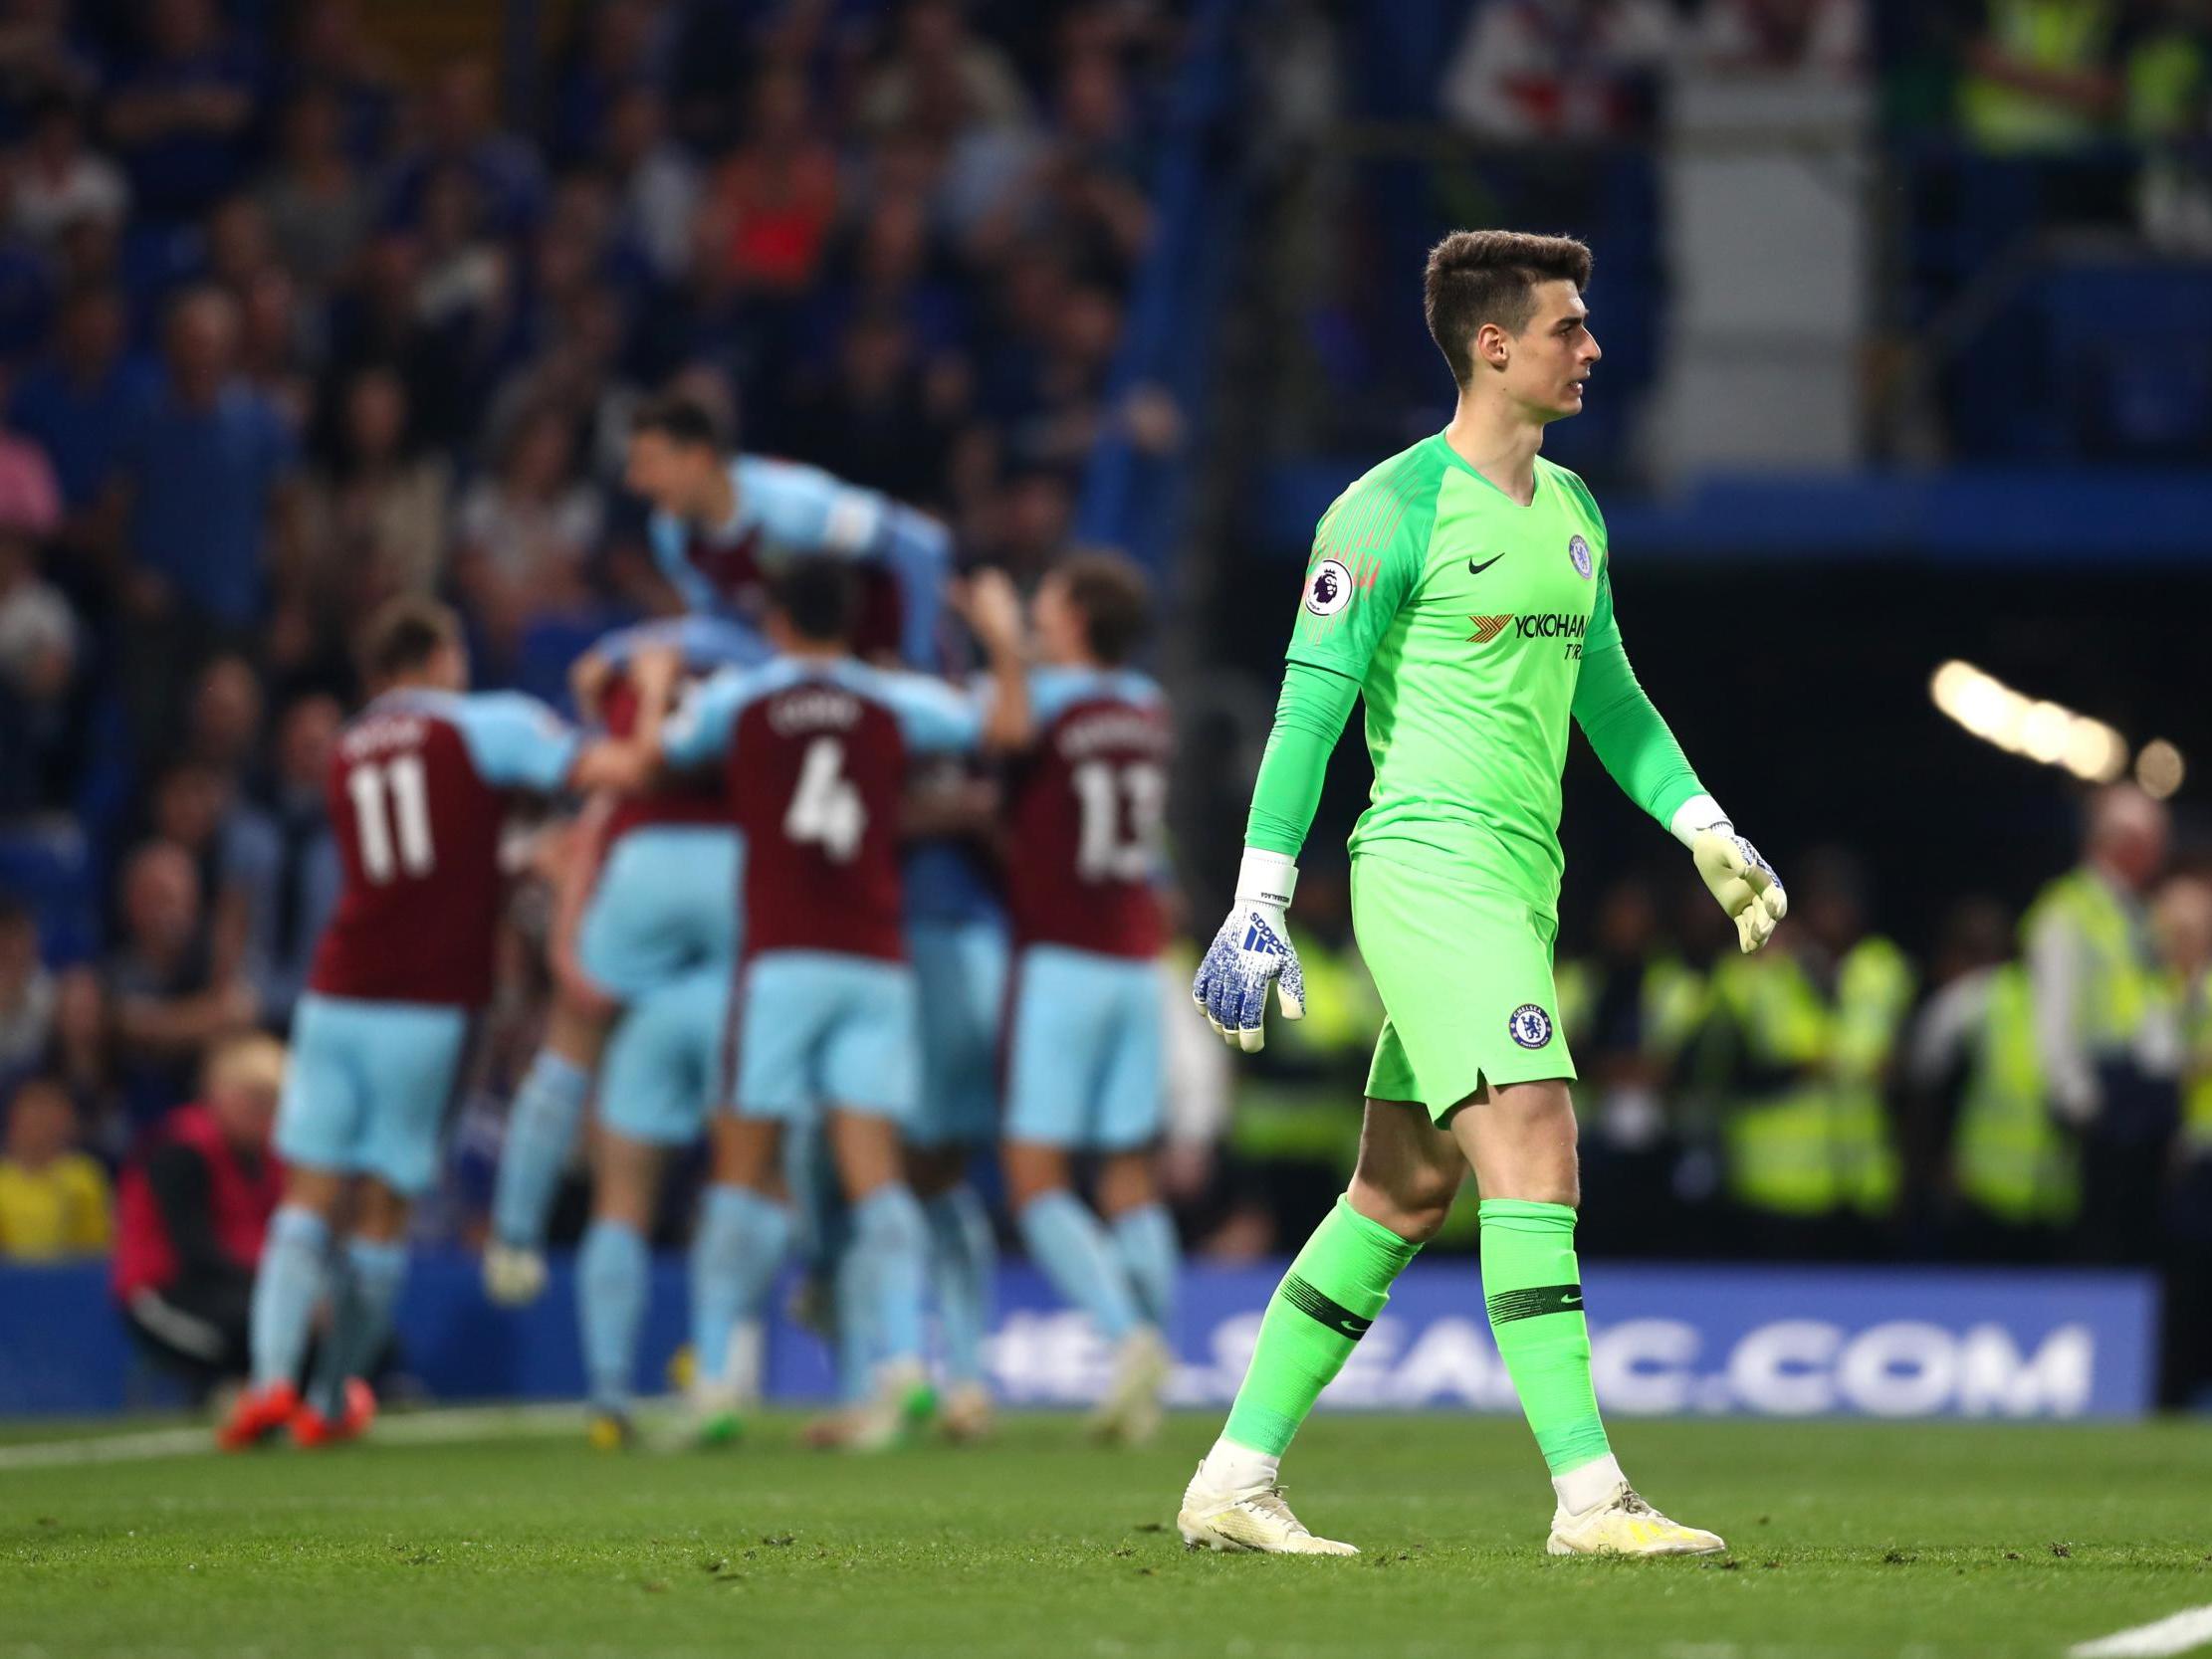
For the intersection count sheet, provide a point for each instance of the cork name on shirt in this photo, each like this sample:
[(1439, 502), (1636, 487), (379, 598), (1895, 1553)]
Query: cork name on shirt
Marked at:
[(814, 710), (1110, 728), (380, 733)]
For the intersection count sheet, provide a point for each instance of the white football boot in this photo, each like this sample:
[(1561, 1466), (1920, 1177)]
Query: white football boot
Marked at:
[(513, 1277), (1625, 1524), (1252, 1518), (1130, 1413)]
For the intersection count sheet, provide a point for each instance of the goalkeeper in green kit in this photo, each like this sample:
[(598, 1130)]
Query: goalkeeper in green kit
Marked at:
[(1463, 588)]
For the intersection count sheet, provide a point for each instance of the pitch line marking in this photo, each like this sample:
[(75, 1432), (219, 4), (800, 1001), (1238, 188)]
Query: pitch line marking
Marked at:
[(2186, 1630), (401, 1428)]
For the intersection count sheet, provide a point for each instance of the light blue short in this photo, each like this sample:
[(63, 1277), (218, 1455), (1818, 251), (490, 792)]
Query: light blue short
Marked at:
[(959, 970), (666, 902), (1083, 1058), (368, 1088), (663, 1062), (820, 1029)]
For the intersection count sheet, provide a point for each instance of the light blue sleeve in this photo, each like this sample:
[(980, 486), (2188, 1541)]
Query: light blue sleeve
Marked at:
[(918, 550), (807, 509), (707, 642), (934, 716), (515, 741), (666, 534), (704, 726)]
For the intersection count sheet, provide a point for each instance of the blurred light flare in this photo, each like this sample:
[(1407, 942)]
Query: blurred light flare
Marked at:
[(2159, 768), (2033, 727)]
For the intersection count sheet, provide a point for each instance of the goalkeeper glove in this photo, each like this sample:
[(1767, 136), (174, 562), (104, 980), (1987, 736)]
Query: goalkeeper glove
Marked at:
[(1743, 881), (1251, 951)]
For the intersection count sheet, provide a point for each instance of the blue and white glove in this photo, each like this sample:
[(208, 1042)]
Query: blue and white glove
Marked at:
[(1740, 881), (1251, 951)]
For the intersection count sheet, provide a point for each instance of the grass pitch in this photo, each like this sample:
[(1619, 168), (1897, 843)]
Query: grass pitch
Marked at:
[(1914, 1541)]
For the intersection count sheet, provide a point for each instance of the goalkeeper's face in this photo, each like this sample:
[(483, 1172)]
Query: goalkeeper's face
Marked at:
[(1547, 362)]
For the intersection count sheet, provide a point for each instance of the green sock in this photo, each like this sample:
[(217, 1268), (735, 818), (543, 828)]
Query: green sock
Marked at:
[(1534, 1293), (1322, 1308)]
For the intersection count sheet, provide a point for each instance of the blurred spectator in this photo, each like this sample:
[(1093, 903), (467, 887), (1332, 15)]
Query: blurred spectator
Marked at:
[(331, 52), (82, 1060), (39, 56), (772, 202), (193, 1207), (315, 200), (272, 358), (877, 423), (26, 277), (29, 498), (938, 64), (375, 506), (54, 1200), (39, 646), (303, 882), (461, 133), (616, 49), (525, 533), (182, 114), (1809, 1027), (1980, 1107), (2105, 1026), (1626, 1009), (2182, 916), (201, 468), (2040, 74), (168, 1002), (656, 184), (78, 399), (59, 180), (1558, 69), (199, 807), (464, 281), (1783, 37), (27, 994), (222, 724)]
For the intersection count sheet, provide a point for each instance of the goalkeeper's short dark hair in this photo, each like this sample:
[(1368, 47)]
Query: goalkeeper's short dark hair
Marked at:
[(818, 595), (1479, 276), (1115, 601)]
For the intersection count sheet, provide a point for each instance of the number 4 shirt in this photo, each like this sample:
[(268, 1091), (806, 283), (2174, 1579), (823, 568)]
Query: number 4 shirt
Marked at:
[(816, 754), (418, 787)]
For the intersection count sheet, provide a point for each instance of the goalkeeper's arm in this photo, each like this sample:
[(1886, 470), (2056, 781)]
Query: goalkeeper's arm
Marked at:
[(1253, 949)]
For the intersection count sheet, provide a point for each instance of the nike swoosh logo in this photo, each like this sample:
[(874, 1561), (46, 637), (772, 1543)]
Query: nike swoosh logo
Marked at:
[(1474, 569), (1574, 1301)]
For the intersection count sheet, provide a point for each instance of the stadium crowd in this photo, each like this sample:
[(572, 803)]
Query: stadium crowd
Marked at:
[(286, 334)]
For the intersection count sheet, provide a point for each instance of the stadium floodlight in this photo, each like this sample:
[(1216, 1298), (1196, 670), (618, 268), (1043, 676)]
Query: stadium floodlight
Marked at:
[(2159, 768), (2033, 727)]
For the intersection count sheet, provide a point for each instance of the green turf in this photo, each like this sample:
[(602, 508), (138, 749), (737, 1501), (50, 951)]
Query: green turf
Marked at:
[(1912, 1541)]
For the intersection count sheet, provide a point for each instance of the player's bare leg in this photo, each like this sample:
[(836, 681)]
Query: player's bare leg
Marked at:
[(889, 1248), (962, 1257), (742, 1236), (1401, 1189), (288, 1289), (612, 1274), (1142, 1237), (368, 1271), (1520, 1141), (542, 1127)]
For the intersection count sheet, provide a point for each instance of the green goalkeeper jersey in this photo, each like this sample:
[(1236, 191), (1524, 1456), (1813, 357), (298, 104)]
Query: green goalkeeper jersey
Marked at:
[(1465, 620)]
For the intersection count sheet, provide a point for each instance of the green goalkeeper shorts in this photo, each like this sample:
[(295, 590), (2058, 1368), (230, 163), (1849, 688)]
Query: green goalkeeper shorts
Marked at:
[(1465, 979)]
